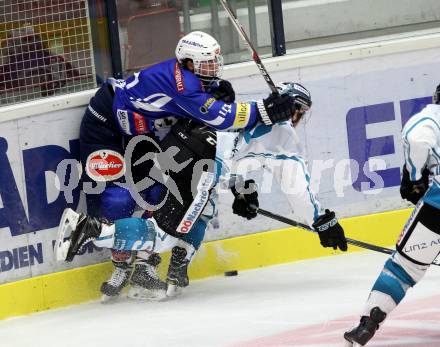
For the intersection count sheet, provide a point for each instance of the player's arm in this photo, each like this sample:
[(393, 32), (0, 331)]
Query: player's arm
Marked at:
[(245, 193), (236, 115), (418, 143), (305, 205)]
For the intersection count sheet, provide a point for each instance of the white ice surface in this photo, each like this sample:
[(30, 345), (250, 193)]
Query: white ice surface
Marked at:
[(309, 303)]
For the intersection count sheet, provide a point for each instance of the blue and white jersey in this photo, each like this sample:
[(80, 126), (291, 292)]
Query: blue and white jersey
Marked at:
[(168, 90), (273, 155), (421, 143)]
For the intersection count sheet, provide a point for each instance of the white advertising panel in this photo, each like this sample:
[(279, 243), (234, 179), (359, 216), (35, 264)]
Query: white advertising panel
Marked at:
[(31, 204), (352, 136)]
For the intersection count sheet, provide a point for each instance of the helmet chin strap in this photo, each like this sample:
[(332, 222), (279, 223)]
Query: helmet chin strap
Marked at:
[(206, 80)]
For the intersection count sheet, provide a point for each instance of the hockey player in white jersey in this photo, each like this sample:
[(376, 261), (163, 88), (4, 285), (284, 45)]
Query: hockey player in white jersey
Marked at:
[(271, 144), (419, 242), (277, 152)]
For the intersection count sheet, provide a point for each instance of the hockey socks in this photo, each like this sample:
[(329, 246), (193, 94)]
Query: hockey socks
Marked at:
[(390, 287)]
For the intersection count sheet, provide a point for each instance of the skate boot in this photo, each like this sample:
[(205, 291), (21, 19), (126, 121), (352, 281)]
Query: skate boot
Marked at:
[(111, 288), (366, 328), (145, 282), (83, 230), (177, 277)]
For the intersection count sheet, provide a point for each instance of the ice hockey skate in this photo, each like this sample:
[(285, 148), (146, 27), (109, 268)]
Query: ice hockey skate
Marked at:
[(177, 277), (145, 281), (68, 222), (83, 229), (111, 289), (364, 332)]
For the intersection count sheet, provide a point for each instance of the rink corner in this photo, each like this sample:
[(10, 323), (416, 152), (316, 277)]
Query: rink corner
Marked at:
[(214, 258)]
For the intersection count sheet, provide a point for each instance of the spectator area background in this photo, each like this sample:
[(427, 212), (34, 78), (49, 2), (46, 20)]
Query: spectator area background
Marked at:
[(53, 47), (45, 49)]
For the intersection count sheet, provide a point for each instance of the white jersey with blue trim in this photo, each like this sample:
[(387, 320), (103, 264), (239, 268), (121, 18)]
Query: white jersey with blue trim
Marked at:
[(274, 152), (421, 143)]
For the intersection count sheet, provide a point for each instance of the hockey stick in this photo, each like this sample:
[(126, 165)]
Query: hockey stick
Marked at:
[(249, 45), (350, 241), (306, 227)]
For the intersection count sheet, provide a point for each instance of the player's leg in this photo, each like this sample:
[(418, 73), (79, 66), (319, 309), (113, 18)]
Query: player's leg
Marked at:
[(122, 262), (184, 215), (131, 234), (117, 203), (182, 254), (102, 158), (145, 281), (417, 247), (128, 234)]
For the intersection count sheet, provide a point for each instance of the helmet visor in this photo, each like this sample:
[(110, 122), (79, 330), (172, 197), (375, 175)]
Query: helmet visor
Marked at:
[(302, 111)]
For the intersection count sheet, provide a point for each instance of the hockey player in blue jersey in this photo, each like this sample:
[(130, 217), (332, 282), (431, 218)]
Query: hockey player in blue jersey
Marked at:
[(149, 103), (419, 242)]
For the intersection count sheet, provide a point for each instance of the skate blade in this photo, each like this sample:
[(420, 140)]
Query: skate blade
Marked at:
[(142, 294), (61, 249), (351, 344), (69, 219), (173, 291), (107, 299)]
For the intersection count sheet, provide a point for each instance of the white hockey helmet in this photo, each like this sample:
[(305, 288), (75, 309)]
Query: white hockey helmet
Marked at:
[(204, 51)]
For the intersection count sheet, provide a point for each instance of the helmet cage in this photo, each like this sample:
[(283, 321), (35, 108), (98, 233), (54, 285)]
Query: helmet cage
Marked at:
[(211, 68)]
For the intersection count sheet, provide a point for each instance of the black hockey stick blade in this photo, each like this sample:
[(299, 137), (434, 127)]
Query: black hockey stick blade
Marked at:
[(247, 41)]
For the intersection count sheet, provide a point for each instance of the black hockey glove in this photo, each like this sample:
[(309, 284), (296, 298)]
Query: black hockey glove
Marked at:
[(222, 90), (413, 191), (246, 200), (276, 108), (330, 231)]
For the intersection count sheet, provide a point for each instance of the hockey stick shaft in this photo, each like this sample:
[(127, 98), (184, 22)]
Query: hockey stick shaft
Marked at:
[(350, 241), (249, 45), (306, 227)]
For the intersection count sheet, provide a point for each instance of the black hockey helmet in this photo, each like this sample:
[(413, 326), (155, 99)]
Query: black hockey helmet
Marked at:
[(303, 99)]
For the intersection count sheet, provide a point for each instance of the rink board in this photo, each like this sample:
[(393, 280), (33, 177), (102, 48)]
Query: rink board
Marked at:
[(352, 141), (363, 94), (214, 258)]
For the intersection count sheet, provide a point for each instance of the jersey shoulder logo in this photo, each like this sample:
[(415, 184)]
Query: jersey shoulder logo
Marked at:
[(178, 76), (140, 124), (122, 116)]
